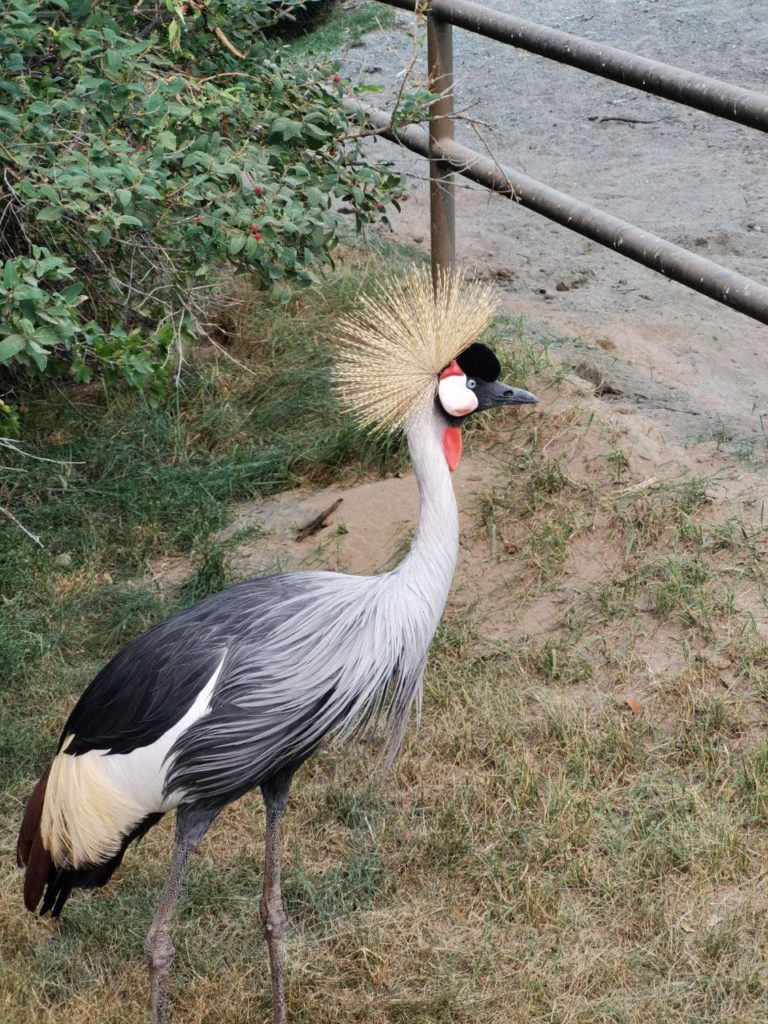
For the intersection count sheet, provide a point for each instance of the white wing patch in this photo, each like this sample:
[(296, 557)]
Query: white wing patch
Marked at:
[(93, 800)]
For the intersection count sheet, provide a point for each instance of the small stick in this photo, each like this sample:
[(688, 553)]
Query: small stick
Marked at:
[(230, 46), (630, 120), (318, 523), (32, 536)]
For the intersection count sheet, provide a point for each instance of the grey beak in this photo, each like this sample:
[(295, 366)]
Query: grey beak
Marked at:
[(491, 394), (516, 396)]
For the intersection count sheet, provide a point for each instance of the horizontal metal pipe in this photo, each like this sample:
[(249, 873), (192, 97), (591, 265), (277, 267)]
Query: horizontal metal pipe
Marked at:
[(711, 95), (719, 283)]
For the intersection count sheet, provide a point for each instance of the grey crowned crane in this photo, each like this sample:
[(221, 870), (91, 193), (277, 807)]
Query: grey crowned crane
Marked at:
[(238, 690)]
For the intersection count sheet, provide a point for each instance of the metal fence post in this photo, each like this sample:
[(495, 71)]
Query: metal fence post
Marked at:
[(441, 178)]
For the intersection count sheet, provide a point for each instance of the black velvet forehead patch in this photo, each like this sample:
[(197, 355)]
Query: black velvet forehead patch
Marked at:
[(479, 361)]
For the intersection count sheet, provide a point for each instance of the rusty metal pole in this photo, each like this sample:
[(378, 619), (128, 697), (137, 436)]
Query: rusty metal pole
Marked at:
[(441, 185)]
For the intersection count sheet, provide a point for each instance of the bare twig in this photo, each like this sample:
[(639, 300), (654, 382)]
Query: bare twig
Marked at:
[(318, 523), (32, 536), (226, 43), (12, 444), (629, 120)]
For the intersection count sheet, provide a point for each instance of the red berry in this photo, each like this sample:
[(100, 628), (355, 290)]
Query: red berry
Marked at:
[(337, 78), (257, 190), (379, 206), (255, 228), (257, 235), (142, 149)]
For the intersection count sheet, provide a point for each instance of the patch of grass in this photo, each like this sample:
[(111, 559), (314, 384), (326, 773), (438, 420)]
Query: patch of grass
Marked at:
[(548, 544), (618, 461), (312, 900), (547, 478), (665, 509), (210, 576), (555, 661), (677, 586), (343, 27)]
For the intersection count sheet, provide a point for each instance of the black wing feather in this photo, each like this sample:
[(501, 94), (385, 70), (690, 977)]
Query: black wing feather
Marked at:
[(153, 681)]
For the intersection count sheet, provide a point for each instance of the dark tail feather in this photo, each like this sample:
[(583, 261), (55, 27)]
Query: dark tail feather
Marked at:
[(30, 851), (42, 875)]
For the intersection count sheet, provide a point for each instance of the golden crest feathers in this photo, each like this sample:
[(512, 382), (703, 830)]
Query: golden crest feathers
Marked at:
[(399, 340)]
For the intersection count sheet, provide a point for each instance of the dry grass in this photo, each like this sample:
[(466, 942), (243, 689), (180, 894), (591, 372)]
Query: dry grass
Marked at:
[(544, 851)]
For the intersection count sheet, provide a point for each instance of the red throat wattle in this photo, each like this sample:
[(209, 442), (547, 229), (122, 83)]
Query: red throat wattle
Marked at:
[(452, 446), (452, 370)]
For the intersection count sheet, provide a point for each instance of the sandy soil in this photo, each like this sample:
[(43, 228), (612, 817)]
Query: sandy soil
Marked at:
[(695, 367)]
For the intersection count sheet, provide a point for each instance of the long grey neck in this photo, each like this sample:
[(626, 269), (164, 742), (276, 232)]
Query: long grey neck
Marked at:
[(428, 569)]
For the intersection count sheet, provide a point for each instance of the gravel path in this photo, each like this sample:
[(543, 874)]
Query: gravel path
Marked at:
[(699, 369)]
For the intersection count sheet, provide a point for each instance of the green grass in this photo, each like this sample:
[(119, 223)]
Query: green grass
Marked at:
[(343, 28)]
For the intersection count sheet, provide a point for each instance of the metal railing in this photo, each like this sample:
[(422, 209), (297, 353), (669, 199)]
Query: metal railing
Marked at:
[(447, 157)]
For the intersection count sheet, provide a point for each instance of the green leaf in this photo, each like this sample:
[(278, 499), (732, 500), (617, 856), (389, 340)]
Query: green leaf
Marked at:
[(38, 355), (8, 117), (174, 35), (316, 134), (11, 346), (167, 140), (80, 9), (284, 128), (72, 294), (10, 274), (114, 59), (49, 336), (236, 244), (147, 191), (124, 197), (50, 213)]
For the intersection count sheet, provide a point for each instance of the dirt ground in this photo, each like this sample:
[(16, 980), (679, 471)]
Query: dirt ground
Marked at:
[(698, 369)]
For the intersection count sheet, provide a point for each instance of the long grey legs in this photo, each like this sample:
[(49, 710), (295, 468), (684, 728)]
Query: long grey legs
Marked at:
[(273, 917), (191, 826)]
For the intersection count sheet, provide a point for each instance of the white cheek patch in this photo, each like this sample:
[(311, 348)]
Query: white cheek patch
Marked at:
[(455, 397)]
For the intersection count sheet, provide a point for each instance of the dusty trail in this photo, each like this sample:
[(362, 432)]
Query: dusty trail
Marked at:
[(696, 368)]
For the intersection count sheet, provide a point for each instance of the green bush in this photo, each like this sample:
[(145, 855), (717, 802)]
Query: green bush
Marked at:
[(142, 149)]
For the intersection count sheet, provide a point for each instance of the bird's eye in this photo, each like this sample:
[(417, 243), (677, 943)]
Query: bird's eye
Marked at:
[(471, 383)]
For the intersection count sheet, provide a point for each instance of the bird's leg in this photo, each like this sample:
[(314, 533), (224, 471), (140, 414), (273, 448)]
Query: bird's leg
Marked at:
[(191, 825), (272, 914), (158, 945)]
